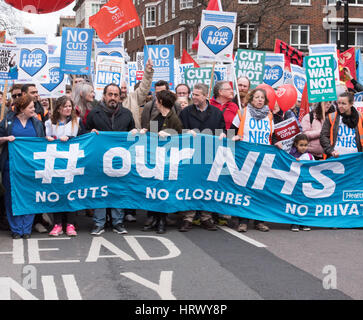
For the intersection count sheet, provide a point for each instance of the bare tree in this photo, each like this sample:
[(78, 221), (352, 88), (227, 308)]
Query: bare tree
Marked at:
[(267, 14), (10, 20)]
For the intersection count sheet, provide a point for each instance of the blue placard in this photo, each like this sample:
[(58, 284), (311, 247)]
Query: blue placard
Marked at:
[(76, 50), (163, 60), (119, 170)]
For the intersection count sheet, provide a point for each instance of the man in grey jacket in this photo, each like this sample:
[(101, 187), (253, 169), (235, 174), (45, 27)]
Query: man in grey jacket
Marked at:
[(134, 100)]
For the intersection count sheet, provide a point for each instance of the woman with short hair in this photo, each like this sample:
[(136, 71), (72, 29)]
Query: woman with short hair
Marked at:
[(20, 123)]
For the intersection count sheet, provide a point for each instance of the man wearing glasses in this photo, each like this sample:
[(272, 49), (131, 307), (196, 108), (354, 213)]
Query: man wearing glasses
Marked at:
[(222, 99), (15, 92)]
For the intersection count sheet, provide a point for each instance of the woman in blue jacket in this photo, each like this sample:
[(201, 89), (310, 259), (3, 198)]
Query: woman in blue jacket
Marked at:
[(20, 123)]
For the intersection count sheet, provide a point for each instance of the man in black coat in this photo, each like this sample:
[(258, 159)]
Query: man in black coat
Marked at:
[(109, 115), (201, 115), (204, 118)]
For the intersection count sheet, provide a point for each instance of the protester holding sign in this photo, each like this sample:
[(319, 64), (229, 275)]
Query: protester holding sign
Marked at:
[(312, 124), (254, 124), (357, 86), (286, 128), (20, 123), (62, 125), (134, 100), (342, 131)]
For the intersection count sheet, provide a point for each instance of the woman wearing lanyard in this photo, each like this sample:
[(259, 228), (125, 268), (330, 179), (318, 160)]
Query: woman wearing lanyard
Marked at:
[(342, 132), (20, 123)]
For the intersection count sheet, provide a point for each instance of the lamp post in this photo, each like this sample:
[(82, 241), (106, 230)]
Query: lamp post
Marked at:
[(346, 20)]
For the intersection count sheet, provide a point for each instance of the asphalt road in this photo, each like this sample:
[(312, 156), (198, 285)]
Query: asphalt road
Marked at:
[(321, 264)]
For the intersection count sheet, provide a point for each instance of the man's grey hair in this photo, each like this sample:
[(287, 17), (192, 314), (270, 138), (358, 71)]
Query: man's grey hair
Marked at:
[(218, 86), (203, 87)]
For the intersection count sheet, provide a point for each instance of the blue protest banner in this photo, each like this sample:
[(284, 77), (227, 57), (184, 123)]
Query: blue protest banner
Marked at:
[(119, 170), (76, 50), (163, 60)]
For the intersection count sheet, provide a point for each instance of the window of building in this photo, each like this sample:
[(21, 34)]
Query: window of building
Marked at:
[(180, 44), (353, 2), (248, 1), (172, 9), (150, 17), (166, 10), (95, 7), (246, 35), (190, 40), (300, 36), (159, 15), (355, 36), (186, 4), (300, 2)]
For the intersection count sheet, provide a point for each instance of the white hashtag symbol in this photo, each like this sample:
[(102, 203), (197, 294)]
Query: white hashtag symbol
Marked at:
[(50, 155)]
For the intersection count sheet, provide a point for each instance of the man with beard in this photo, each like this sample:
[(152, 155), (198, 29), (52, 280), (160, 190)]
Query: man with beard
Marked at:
[(109, 115), (243, 89)]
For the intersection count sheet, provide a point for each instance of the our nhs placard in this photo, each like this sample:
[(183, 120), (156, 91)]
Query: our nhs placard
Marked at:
[(108, 70), (76, 50), (33, 63), (217, 36), (163, 61)]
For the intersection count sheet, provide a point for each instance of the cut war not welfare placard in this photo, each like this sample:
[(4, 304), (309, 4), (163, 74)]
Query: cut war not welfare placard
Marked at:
[(251, 64), (320, 78)]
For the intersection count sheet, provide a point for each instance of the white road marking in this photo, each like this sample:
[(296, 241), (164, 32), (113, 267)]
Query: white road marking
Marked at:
[(243, 237)]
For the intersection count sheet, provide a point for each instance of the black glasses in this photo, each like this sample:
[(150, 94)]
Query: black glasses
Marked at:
[(14, 96)]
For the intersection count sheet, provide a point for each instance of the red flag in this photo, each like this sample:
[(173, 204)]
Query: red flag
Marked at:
[(292, 55), (186, 58), (212, 5), (347, 59), (114, 18), (304, 105)]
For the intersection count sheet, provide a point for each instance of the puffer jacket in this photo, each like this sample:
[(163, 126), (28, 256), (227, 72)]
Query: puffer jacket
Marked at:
[(313, 130)]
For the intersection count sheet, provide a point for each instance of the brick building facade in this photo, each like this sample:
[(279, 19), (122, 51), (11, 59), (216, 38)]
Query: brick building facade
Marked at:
[(260, 22)]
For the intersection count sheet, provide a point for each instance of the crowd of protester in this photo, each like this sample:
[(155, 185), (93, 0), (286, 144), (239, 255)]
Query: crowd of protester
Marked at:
[(76, 113)]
